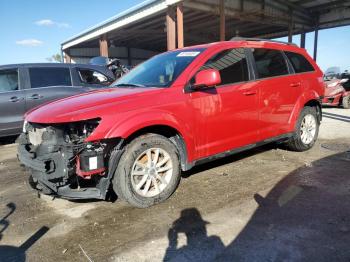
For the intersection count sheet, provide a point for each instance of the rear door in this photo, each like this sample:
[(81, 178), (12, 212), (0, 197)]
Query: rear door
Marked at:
[(49, 84), (12, 104), (279, 91)]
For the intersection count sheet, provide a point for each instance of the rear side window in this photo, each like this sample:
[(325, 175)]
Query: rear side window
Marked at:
[(44, 77), (232, 65), (299, 62), (269, 63), (8, 80), (89, 76)]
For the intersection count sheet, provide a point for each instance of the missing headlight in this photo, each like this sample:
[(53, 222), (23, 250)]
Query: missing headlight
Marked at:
[(78, 131)]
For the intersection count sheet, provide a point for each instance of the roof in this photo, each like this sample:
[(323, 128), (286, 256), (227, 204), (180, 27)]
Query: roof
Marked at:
[(50, 65), (143, 26), (144, 9), (102, 69)]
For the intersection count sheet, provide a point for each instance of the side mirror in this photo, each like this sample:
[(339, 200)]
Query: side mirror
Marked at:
[(207, 78)]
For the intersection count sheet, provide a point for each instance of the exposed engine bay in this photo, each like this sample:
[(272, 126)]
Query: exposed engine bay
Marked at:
[(62, 163)]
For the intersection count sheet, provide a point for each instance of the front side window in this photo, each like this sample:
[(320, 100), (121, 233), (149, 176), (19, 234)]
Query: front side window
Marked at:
[(8, 80), (269, 63), (299, 62), (231, 64), (89, 76), (44, 77), (160, 71)]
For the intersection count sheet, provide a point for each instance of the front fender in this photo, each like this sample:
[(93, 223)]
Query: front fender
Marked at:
[(124, 125)]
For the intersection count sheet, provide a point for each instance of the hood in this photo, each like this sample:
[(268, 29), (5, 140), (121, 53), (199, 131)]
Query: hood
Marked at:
[(88, 105)]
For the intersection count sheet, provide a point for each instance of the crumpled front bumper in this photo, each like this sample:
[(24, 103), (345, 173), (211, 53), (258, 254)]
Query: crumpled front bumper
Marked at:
[(51, 174)]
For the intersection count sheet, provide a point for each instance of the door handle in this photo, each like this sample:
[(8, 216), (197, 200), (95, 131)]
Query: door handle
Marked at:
[(295, 84), (15, 99), (35, 97), (249, 93)]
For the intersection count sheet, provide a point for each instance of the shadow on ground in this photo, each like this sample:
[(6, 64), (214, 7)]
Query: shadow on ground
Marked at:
[(12, 253), (305, 217)]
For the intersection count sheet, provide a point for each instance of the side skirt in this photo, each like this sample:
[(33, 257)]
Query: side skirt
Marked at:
[(238, 150)]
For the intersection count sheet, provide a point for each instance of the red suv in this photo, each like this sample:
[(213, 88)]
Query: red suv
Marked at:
[(177, 110)]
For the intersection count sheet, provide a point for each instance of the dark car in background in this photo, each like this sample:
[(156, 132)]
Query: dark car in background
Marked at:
[(25, 86)]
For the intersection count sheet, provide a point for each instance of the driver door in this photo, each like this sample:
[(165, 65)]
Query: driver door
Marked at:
[(226, 117)]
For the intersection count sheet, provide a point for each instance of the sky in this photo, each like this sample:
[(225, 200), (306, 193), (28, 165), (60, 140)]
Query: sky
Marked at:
[(32, 31)]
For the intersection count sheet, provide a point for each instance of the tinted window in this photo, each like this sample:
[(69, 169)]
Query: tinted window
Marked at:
[(232, 65), (93, 77), (42, 77), (8, 80), (269, 62), (299, 62)]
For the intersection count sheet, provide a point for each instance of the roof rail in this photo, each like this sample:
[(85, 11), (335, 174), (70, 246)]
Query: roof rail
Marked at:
[(259, 39)]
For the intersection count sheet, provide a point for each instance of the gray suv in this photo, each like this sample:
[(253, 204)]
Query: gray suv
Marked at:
[(25, 86)]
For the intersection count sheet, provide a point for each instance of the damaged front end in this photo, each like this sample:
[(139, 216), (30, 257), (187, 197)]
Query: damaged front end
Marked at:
[(62, 163)]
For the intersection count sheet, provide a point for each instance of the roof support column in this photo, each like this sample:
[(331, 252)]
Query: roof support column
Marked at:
[(315, 42), (171, 28), (67, 58), (290, 28), (103, 45), (302, 40), (129, 57), (180, 25), (222, 20)]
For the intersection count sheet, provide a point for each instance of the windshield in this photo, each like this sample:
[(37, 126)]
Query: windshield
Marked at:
[(159, 71)]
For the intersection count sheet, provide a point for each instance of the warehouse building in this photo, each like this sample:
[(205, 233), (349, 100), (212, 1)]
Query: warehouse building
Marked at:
[(158, 25)]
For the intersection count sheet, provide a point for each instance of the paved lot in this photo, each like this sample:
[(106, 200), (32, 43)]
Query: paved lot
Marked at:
[(264, 205)]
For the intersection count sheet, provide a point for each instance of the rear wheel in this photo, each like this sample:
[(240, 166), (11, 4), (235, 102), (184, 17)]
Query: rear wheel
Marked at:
[(306, 132), (346, 102), (148, 171)]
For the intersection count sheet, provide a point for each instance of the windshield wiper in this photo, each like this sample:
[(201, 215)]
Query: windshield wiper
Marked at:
[(131, 85)]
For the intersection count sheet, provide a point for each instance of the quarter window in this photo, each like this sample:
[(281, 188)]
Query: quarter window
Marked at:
[(8, 80), (232, 65), (44, 77), (269, 63), (299, 62), (93, 77)]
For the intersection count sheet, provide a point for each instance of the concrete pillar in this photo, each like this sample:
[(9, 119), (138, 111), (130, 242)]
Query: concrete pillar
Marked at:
[(171, 28), (180, 25), (222, 20), (302, 40), (104, 45)]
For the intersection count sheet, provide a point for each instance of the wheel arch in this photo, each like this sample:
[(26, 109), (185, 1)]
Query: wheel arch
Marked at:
[(315, 103), (169, 132)]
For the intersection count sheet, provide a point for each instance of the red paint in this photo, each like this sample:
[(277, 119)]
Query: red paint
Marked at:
[(210, 121), (207, 78)]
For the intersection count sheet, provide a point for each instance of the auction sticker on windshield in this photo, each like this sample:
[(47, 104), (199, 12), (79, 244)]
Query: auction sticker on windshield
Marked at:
[(188, 54)]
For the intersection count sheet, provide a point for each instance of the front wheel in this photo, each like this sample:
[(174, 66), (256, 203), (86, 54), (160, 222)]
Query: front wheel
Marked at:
[(306, 132), (148, 171)]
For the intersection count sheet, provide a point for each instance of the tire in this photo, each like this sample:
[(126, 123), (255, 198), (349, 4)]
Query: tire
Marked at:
[(133, 168), (298, 142), (346, 102)]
